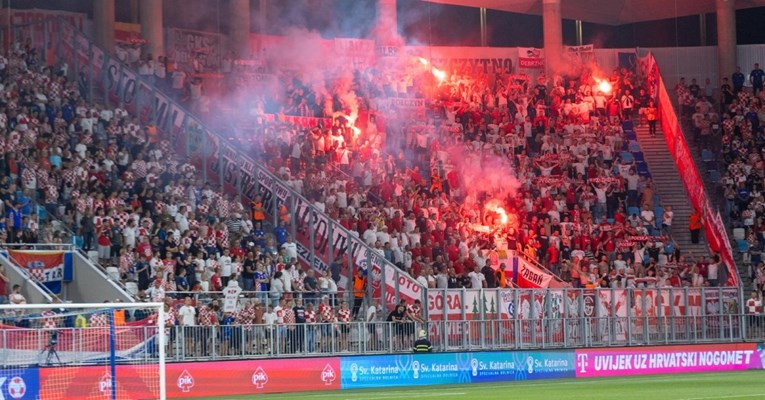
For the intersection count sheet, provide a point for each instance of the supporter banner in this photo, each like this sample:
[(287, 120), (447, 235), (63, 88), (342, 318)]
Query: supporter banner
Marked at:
[(356, 52), (466, 60), (530, 276), (396, 282), (529, 57), (454, 368), (231, 298), (666, 360), (579, 55), (714, 229), (415, 107), (476, 304), (46, 267), (388, 51), (579, 51), (183, 45), (25, 17), (305, 122)]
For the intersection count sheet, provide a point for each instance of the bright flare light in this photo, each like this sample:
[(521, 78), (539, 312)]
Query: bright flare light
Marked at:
[(437, 73), (605, 86), (440, 75), (494, 207)]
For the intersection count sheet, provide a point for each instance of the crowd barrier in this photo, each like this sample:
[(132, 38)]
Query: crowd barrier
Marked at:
[(248, 377)]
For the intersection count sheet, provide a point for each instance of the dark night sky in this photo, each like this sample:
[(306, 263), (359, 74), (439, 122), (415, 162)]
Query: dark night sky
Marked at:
[(428, 23)]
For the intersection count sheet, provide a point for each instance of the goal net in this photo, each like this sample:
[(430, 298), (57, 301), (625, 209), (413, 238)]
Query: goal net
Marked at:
[(82, 351)]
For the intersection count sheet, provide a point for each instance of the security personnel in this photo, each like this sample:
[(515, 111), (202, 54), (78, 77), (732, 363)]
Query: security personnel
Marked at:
[(422, 344)]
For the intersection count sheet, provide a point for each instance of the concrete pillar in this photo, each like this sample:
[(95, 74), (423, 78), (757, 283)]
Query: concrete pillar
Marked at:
[(239, 35), (726, 37), (151, 27), (386, 29), (553, 34), (103, 21)]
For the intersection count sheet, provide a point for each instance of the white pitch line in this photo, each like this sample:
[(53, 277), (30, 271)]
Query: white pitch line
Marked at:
[(740, 396), (418, 394)]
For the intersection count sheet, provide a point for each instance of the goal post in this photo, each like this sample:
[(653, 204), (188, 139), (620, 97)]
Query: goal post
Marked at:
[(70, 351)]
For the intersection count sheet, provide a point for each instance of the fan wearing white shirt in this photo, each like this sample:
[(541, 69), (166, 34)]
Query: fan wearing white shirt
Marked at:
[(225, 267), (291, 248), (477, 280)]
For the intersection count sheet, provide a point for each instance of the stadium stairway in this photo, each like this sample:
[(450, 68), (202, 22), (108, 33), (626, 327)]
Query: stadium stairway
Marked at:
[(669, 186)]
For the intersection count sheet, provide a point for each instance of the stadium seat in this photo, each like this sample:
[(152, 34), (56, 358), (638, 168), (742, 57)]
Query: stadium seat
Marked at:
[(739, 234), (638, 156), (627, 157), (743, 246), (642, 170), (628, 126), (659, 213), (630, 135), (707, 155), (633, 210), (634, 147), (711, 165), (715, 176)]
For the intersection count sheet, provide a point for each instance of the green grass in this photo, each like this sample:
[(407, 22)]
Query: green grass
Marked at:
[(747, 385)]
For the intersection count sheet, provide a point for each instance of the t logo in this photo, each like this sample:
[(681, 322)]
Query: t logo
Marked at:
[(581, 361)]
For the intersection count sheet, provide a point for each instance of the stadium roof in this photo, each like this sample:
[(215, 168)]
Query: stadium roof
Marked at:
[(608, 12)]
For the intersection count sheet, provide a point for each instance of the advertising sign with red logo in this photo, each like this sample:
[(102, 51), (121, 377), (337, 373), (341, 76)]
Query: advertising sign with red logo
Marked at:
[(252, 376), (202, 379)]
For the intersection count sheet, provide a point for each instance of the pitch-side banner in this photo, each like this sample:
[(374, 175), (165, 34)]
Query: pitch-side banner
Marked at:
[(46, 267)]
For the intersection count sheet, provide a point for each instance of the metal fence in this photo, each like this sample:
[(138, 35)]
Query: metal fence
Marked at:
[(187, 343)]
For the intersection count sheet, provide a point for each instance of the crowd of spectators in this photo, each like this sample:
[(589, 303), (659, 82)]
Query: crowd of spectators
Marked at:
[(580, 209), (736, 133), (97, 173), (94, 173)]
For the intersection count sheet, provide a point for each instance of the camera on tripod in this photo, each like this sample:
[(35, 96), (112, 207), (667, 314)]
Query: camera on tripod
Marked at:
[(53, 340)]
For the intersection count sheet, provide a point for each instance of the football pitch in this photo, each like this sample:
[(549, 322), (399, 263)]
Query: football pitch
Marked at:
[(729, 386)]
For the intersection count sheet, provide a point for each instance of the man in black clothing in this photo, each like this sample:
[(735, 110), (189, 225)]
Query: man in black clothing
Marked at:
[(488, 273), (399, 328), (300, 326)]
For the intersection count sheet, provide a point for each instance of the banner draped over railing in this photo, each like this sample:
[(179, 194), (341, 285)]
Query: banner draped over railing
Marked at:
[(46, 267), (716, 234)]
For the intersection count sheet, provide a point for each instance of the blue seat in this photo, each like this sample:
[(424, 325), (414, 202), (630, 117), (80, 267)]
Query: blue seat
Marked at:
[(714, 176), (634, 147), (42, 213), (638, 156), (627, 157), (628, 126), (610, 220), (743, 246), (707, 155), (642, 169), (711, 165), (633, 210), (630, 135), (658, 212)]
